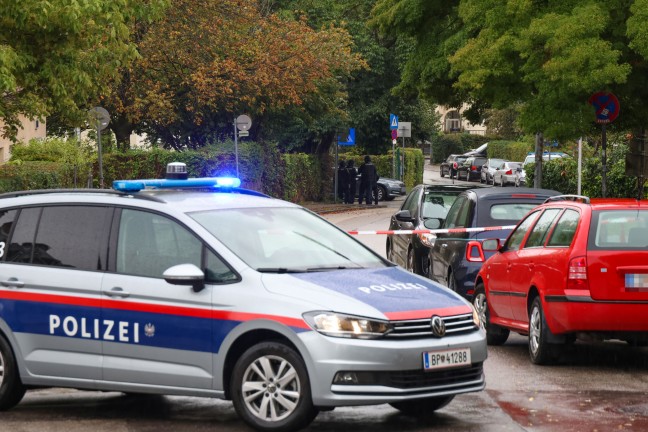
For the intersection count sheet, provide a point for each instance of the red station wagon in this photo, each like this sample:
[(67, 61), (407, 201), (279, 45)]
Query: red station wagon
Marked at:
[(572, 268)]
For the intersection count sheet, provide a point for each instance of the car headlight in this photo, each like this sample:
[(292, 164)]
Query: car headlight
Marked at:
[(347, 326), (427, 239), (475, 315)]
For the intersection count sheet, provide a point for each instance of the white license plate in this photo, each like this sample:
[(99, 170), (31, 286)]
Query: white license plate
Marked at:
[(446, 359), (636, 282)]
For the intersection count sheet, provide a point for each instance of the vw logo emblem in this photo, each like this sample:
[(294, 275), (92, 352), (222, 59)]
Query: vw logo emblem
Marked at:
[(438, 326)]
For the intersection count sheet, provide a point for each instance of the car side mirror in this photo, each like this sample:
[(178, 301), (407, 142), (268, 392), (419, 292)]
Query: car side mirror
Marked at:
[(491, 245), (404, 216), (432, 223), (185, 274)]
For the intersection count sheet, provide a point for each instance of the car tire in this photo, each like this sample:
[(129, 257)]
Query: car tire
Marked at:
[(413, 263), (442, 173), (422, 407), (452, 283), (495, 335), (541, 351), (11, 388), (382, 193), (287, 391), (389, 250)]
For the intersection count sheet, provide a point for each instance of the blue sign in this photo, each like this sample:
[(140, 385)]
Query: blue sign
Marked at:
[(393, 121), (350, 141)]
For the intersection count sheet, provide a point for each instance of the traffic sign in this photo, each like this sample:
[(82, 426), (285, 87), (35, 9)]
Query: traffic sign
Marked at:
[(393, 121), (394, 133), (606, 105), (350, 141)]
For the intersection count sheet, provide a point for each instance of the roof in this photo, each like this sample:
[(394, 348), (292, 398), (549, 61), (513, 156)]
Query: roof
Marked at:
[(521, 192)]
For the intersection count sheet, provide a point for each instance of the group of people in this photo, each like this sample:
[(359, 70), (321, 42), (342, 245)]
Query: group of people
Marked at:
[(347, 177)]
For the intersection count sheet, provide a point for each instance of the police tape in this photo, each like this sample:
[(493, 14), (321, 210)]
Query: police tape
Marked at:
[(433, 231)]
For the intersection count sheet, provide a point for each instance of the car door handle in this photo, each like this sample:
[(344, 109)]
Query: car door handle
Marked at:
[(116, 292), (13, 282)]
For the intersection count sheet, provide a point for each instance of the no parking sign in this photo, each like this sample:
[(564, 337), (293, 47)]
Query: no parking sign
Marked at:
[(606, 105)]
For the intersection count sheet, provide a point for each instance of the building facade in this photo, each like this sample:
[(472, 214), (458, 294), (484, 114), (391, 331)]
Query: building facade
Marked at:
[(30, 129), (452, 121)]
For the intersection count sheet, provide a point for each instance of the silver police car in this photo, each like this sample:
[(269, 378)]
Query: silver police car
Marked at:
[(198, 287)]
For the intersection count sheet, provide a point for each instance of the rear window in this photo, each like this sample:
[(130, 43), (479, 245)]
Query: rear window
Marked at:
[(510, 212), (619, 229)]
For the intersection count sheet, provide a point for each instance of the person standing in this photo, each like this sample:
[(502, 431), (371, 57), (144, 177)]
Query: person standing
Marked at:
[(352, 173), (369, 181), (342, 181)]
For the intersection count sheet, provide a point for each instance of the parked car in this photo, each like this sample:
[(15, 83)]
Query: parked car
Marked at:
[(506, 173), (450, 165), (572, 268), (425, 207), (196, 287), (530, 157), (488, 169), (388, 188), (455, 258), (471, 168)]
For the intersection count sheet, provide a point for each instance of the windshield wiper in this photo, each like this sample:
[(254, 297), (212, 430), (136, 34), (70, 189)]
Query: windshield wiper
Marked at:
[(322, 269), (279, 270)]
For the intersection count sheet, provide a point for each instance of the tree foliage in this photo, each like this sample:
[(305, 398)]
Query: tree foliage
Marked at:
[(58, 55), (206, 62)]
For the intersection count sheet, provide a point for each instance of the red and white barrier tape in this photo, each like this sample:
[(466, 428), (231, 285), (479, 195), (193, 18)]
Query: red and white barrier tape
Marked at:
[(434, 231)]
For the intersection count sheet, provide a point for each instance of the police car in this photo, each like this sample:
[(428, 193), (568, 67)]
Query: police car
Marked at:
[(198, 287)]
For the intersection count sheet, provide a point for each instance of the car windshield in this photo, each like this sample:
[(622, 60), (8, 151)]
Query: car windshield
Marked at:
[(436, 204), (285, 240)]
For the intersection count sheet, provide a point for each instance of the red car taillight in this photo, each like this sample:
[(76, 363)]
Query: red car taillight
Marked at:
[(474, 252), (509, 172), (473, 168), (577, 275)]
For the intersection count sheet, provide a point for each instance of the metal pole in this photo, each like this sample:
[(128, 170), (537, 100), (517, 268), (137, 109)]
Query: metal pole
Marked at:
[(580, 164), (604, 162), (101, 177), (402, 173), (393, 158), (236, 148)]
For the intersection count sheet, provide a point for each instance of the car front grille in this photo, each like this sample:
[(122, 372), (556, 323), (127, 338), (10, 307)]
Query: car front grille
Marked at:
[(421, 328)]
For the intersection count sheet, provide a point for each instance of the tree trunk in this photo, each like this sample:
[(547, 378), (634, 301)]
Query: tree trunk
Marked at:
[(325, 144), (537, 174), (122, 129)]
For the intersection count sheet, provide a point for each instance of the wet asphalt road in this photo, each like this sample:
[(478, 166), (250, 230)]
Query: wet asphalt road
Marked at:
[(595, 387)]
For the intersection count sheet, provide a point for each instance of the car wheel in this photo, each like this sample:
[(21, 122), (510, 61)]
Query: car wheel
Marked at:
[(495, 335), (270, 388), (422, 407), (382, 193), (540, 350), (442, 173), (452, 284), (11, 388), (388, 251)]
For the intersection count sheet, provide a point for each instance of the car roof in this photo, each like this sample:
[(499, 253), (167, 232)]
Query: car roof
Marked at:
[(449, 187), (600, 203), (520, 192)]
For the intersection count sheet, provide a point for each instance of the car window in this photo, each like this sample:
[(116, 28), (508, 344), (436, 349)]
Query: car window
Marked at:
[(436, 204), (565, 229), (510, 211), (619, 229), (516, 237), (7, 218), (412, 201), (459, 214), (150, 243), (541, 228), (285, 238), (57, 225)]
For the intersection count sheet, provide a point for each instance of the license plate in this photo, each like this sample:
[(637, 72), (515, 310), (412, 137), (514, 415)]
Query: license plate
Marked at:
[(636, 282), (446, 359)]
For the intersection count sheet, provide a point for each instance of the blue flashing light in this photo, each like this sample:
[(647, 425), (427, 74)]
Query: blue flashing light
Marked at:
[(205, 182)]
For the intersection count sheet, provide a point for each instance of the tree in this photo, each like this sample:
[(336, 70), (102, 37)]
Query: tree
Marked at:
[(57, 56), (208, 61)]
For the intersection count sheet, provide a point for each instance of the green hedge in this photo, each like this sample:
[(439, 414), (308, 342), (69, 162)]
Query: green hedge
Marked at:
[(293, 177)]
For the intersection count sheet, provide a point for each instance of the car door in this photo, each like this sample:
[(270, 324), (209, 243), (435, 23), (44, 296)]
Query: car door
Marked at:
[(156, 333), (51, 279), (448, 246), (530, 263), (400, 243), (501, 270)]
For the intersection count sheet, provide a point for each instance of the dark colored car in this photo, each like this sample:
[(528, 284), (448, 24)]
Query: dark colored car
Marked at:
[(455, 258), (571, 269), (388, 188), (425, 207), (471, 168), (450, 165)]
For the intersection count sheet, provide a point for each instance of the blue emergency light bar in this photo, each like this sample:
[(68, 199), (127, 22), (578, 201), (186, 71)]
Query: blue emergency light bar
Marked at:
[(205, 182)]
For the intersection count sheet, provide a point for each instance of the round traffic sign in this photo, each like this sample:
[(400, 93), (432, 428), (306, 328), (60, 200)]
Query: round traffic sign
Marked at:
[(606, 105), (243, 122), (99, 117)]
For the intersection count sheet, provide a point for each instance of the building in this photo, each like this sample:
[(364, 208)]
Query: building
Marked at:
[(30, 129), (453, 121)]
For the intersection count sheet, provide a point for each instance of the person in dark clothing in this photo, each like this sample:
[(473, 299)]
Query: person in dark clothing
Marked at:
[(342, 181), (368, 181), (352, 173)]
